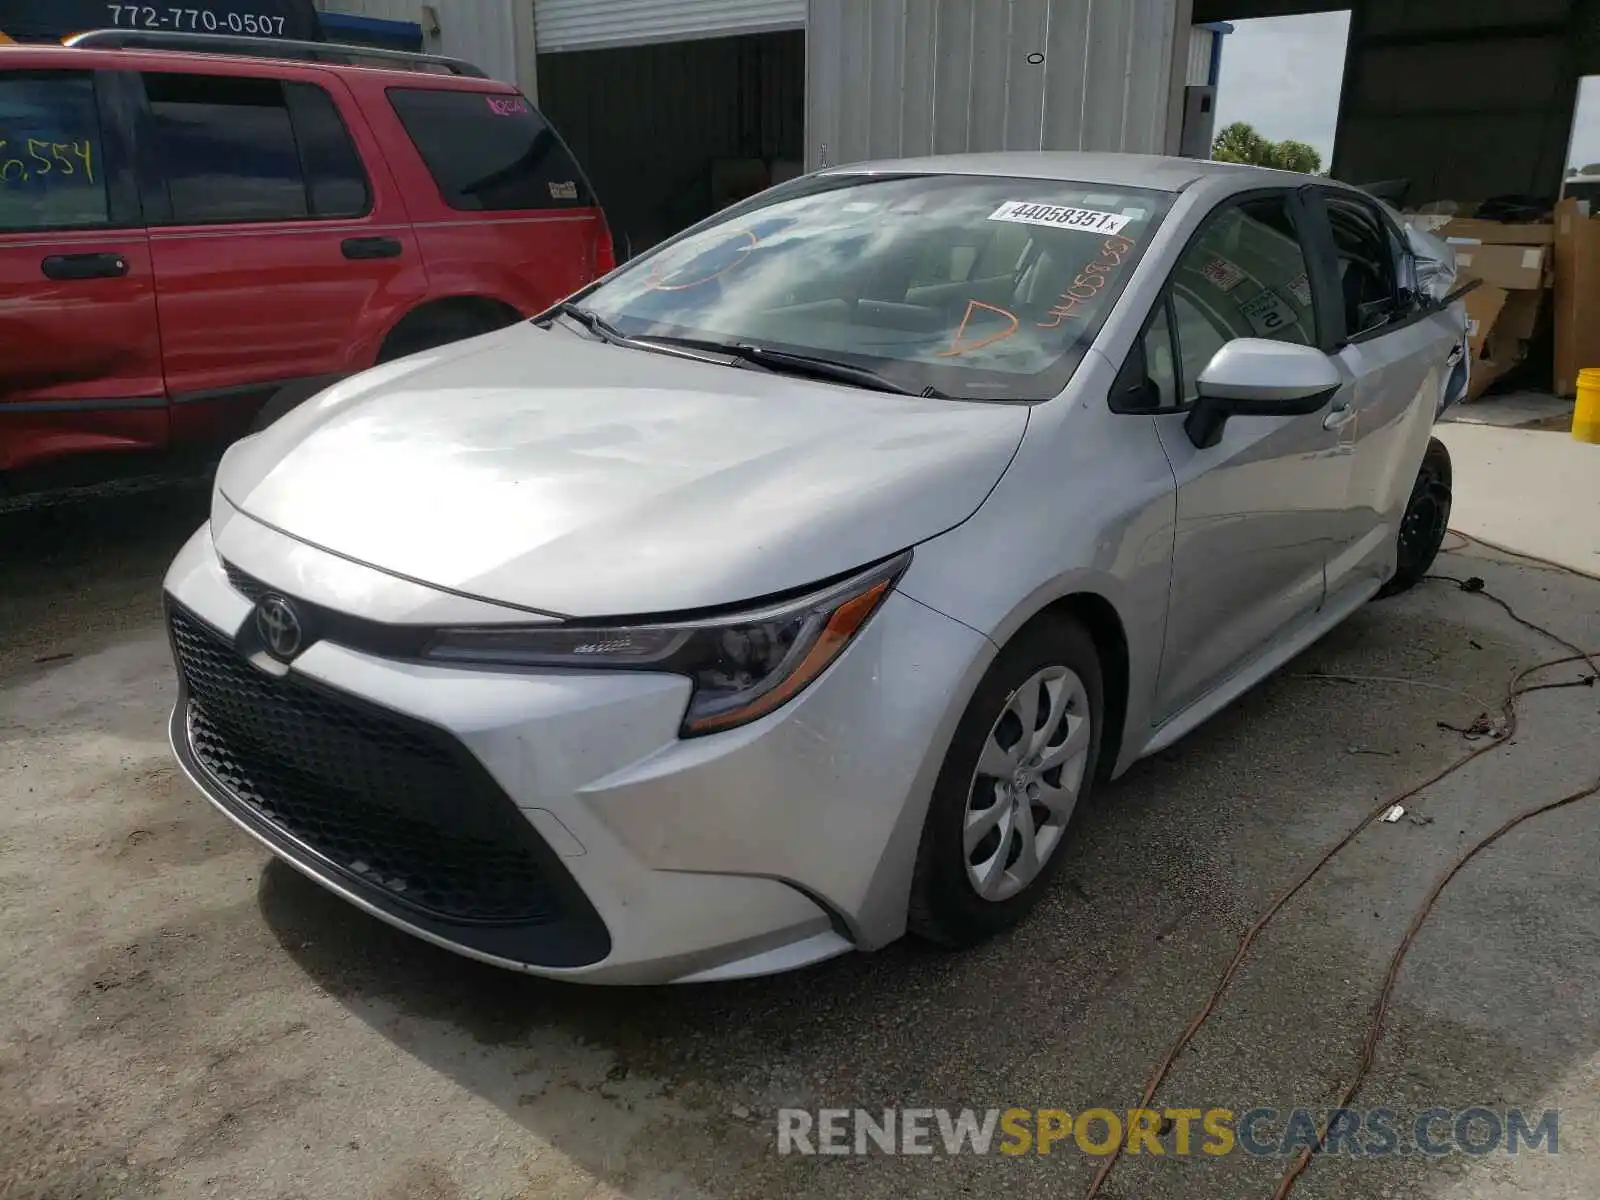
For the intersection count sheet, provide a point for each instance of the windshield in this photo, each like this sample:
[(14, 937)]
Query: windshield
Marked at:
[(974, 287)]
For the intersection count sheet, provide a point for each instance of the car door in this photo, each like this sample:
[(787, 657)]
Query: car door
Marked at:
[(278, 257), (1398, 353), (1258, 511), (80, 352)]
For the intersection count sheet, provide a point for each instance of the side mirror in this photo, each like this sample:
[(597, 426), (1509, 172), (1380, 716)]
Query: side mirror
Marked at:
[(1255, 377)]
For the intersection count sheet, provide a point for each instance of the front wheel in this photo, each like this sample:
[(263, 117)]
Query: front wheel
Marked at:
[(1019, 767), (1426, 519)]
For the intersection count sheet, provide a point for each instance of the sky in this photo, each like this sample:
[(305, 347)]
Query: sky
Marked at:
[(1282, 75)]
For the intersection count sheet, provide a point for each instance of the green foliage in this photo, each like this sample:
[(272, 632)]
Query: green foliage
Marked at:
[(1240, 143)]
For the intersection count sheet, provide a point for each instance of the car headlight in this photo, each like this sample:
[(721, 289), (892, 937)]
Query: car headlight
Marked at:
[(743, 666)]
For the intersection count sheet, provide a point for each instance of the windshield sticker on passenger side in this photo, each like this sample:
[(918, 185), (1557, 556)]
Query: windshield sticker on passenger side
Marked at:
[(1223, 274), (1089, 281), (564, 191), (1268, 313), (1057, 216), (1300, 289)]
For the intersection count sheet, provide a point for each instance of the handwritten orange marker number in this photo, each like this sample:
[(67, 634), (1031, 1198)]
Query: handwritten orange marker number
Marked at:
[(957, 349), (1089, 281)]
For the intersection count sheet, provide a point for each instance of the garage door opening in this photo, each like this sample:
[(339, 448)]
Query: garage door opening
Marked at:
[(1282, 76), (1583, 153), (671, 132)]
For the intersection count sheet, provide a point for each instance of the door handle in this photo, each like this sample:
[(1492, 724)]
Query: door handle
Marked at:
[(371, 247), (84, 266), (1339, 417)]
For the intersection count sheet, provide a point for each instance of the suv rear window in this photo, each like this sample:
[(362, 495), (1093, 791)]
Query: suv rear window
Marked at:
[(490, 152)]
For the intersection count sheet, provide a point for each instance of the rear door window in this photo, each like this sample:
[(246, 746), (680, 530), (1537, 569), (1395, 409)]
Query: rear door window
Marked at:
[(490, 152), (226, 149), (246, 149), (52, 173)]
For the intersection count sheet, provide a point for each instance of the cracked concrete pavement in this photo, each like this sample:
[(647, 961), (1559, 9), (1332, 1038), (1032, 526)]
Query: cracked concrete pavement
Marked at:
[(183, 1017)]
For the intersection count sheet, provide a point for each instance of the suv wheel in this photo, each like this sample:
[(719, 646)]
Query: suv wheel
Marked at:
[(1019, 767), (432, 328)]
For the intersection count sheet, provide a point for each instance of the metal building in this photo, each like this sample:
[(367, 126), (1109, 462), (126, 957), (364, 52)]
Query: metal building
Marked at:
[(1466, 99), (678, 107)]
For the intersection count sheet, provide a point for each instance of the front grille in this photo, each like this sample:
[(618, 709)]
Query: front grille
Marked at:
[(389, 802), (251, 589)]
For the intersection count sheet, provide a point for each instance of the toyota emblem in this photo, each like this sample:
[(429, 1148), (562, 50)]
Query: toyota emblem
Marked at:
[(279, 627)]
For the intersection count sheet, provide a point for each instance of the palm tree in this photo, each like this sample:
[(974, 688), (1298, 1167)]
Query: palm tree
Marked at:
[(1240, 143)]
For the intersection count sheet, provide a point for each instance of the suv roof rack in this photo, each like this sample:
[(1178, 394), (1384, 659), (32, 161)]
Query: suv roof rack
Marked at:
[(263, 47)]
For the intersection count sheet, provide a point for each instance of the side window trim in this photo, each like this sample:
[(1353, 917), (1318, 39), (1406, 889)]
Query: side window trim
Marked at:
[(117, 96), (294, 91), (1317, 202), (1135, 369)]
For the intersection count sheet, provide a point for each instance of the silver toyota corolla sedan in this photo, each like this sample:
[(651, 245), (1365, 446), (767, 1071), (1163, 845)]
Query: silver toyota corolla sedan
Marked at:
[(794, 586)]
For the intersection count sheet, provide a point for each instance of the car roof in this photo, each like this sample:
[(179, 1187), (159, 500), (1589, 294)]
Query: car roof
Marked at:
[(51, 56), (1157, 172)]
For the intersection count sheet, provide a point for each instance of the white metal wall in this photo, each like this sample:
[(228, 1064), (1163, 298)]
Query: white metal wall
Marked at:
[(1200, 43), (590, 24), (481, 31), (888, 78)]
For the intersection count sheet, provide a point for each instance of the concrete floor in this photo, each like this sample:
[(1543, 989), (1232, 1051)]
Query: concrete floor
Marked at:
[(182, 1017), (1534, 490)]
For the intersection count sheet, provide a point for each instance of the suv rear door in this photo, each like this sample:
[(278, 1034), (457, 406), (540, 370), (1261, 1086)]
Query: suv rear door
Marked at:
[(281, 250), (80, 351), (500, 205)]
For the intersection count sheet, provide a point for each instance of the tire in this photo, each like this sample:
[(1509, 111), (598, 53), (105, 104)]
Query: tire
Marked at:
[(1423, 526), (291, 395), (435, 328), (960, 897)]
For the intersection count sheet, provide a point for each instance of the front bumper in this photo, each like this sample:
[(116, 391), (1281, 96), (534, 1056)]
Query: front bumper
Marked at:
[(643, 858)]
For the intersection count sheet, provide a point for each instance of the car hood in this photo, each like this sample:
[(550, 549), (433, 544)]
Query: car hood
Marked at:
[(540, 469)]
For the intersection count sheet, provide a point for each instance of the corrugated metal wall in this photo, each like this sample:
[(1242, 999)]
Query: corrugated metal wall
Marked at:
[(647, 122), (1468, 101), (589, 24), (903, 77), (1200, 43), (481, 31)]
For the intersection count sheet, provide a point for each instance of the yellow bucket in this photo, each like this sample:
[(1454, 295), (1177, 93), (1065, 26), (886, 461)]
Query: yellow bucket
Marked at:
[(1586, 414)]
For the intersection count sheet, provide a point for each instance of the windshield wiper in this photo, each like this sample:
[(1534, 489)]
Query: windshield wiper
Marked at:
[(594, 323), (607, 332), (785, 362)]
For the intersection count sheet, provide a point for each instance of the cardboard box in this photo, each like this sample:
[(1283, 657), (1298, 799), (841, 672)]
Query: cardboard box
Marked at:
[(1520, 316), (1484, 306), (1577, 295), (1490, 233), (1501, 352), (1510, 267)]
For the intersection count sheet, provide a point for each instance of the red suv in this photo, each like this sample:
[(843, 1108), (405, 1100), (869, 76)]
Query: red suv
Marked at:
[(192, 242)]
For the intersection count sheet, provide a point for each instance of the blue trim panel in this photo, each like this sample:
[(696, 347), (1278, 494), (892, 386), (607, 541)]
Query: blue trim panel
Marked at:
[(372, 31)]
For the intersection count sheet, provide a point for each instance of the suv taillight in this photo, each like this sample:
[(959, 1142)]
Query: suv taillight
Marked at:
[(605, 253)]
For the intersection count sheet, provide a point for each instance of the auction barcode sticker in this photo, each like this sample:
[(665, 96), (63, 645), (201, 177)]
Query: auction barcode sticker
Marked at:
[(1057, 216)]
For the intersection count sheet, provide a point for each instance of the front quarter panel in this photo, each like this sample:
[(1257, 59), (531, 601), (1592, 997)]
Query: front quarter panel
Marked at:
[(1088, 506)]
